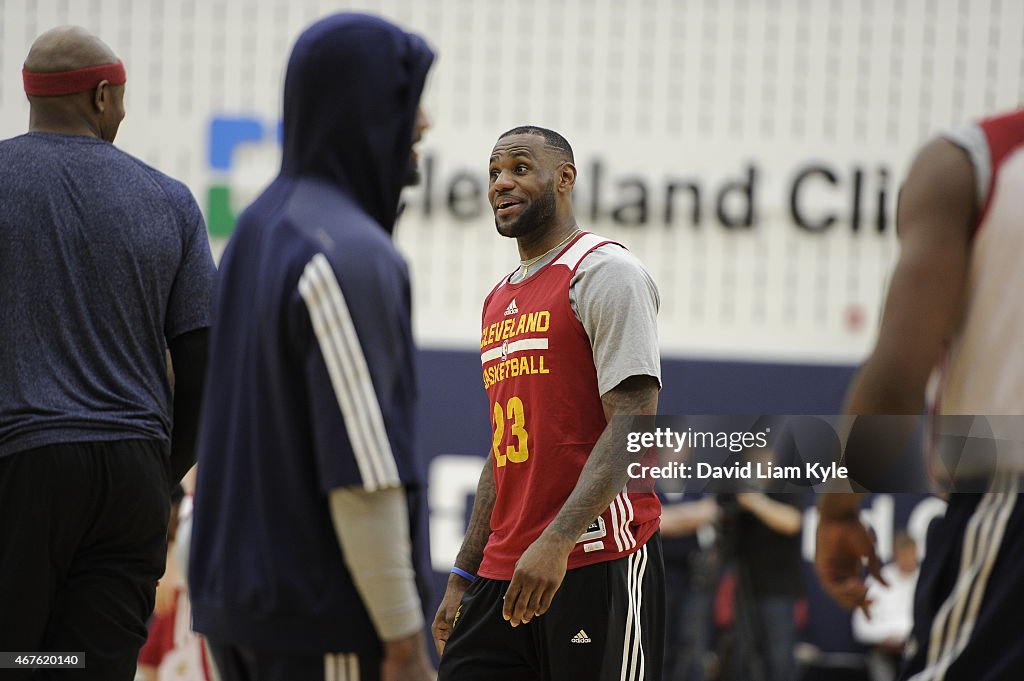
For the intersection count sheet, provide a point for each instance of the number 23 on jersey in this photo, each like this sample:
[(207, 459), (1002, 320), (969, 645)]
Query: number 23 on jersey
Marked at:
[(515, 416)]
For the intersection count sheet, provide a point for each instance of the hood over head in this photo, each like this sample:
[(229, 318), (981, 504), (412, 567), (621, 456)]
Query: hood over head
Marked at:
[(351, 92)]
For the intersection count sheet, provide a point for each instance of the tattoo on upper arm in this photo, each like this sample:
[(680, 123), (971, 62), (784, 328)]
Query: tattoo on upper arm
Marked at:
[(635, 395)]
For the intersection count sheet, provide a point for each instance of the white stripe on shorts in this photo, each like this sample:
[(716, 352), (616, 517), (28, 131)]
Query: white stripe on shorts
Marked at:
[(956, 619), (341, 667), (633, 645)]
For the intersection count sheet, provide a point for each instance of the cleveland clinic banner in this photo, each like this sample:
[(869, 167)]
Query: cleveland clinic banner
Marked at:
[(749, 153)]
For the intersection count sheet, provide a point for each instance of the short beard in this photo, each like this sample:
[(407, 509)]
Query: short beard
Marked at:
[(537, 216)]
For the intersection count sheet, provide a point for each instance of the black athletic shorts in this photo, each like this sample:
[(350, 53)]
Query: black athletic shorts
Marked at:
[(83, 541), (968, 623), (240, 663), (607, 622)]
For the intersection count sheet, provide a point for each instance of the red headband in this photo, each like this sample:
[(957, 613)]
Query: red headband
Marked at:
[(69, 82)]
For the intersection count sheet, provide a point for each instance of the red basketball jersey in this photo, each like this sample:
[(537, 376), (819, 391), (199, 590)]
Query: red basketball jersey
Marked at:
[(983, 371), (546, 416)]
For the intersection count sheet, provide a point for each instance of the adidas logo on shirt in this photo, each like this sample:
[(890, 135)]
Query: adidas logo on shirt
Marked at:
[(581, 637), (512, 308)]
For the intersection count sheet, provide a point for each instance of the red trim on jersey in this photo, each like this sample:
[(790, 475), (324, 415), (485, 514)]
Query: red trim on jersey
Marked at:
[(1004, 133)]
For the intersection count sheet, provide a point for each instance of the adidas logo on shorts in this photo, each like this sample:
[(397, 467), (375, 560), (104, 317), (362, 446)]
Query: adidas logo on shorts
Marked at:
[(512, 308), (581, 637)]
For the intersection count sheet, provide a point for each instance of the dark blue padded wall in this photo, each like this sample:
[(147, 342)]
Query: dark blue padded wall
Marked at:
[(454, 420)]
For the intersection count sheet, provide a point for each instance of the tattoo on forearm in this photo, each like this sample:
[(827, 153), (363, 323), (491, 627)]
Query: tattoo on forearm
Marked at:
[(472, 551), (606, 471)]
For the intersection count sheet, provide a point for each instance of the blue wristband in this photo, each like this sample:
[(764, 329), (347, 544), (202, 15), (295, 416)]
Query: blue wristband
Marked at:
[(465, 575)]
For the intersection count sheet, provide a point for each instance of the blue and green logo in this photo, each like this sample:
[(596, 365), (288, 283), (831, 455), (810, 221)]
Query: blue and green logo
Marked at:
[(227, 135)]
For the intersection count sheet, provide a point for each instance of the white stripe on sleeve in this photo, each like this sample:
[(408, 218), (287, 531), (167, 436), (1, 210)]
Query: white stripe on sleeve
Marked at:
[(349, 374)]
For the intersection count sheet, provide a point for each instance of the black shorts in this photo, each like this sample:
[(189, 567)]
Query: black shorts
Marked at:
[(83, 541), (967, 607), (241, 663), (607, 622)]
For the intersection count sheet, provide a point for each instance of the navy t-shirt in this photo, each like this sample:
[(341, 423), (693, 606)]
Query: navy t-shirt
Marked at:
[(103, 261)]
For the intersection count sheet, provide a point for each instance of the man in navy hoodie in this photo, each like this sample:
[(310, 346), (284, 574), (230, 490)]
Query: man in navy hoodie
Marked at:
[(306, 556)]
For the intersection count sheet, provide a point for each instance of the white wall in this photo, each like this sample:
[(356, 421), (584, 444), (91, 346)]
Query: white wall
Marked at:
[(653, 91)]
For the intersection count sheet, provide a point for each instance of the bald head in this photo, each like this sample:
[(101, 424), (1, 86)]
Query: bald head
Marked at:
[(96, 111), (67, 48)]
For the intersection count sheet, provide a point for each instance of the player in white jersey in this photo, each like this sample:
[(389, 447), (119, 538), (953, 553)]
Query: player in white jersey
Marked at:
[(954, 311)]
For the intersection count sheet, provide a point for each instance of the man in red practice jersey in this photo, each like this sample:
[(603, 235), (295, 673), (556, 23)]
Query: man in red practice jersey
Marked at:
[(560, 574), (954, 310)]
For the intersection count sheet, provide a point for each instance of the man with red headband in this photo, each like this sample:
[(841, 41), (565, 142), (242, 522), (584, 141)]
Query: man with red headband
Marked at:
[(104, 266)]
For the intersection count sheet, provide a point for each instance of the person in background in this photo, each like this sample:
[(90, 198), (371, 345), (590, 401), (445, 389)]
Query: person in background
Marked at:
[(892, 610), (173, 652), (692, 567), (762, 535)]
